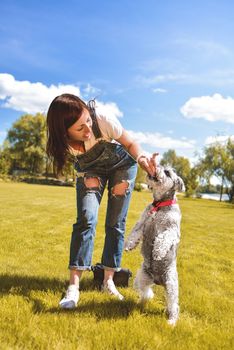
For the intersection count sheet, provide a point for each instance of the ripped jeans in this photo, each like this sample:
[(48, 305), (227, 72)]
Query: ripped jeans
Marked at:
[(106, 164)]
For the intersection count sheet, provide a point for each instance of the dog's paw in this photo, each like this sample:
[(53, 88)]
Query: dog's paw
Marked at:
[(173, 314), (172, 321), (129, 245), (147, 294)]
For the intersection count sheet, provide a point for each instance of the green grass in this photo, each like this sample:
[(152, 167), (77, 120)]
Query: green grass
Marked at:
[(35, 231)]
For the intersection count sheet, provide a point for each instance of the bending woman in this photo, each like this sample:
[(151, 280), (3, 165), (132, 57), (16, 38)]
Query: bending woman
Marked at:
[(103, 153)]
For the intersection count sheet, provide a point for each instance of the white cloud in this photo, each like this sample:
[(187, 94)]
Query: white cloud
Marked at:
[(161, 78), (212, 108), (110, 109), (160, 90), (220, 139), (209, 48), (36, 97), (224, 77), (159, 141), (90, 90), (30, 97)]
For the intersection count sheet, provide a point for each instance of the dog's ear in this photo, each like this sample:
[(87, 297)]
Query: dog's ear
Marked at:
[(179, 185)]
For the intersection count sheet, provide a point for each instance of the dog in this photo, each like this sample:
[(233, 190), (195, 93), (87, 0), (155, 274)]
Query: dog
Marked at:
[(159, 230)]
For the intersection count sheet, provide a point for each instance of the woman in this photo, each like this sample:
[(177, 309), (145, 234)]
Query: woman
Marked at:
[(74, 130)]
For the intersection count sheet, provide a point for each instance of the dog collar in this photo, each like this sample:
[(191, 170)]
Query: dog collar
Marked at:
[(157, 205)]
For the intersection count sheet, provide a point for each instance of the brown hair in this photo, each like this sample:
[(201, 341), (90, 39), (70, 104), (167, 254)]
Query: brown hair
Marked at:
[(63, 112)]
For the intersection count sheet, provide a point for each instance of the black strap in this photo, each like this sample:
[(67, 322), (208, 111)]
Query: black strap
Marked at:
[(96, 130)]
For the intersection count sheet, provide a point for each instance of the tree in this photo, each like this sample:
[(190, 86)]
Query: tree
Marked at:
[(218, 161), (27, 139), (183, 169), (229, 168), (5, 158)]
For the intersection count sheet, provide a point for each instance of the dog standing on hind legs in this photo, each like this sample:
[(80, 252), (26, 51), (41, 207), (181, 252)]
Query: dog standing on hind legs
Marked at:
[(159, 230)]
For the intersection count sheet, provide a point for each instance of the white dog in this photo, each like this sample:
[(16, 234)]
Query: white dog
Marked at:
[(159, 230)]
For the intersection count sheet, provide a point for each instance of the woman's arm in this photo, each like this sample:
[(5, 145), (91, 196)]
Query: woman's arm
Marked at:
[(137, 153)]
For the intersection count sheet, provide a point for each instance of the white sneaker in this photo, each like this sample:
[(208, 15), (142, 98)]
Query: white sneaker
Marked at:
[(110, 288), (71, 298)]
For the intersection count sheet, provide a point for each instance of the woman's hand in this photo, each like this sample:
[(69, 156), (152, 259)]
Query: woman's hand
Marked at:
[(148, 163)]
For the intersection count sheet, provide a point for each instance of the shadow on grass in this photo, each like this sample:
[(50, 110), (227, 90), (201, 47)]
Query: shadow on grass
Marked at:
[(23, 285), (111, 309)]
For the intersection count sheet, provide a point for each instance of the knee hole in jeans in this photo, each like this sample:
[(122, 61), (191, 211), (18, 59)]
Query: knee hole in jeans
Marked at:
[(91, 182), (120, 189)]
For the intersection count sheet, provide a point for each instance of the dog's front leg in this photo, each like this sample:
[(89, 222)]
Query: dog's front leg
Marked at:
[(172, 294), (136, 234)]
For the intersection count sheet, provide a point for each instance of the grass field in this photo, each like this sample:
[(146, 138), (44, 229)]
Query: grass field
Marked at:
[(35, 236)]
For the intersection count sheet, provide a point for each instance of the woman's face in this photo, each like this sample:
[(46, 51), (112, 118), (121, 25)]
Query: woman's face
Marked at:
[(82, 129)]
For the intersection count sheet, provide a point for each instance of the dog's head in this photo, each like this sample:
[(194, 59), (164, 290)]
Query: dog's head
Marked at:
[(165, 183)]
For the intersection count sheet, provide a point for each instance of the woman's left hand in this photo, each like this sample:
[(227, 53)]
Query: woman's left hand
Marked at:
[(148, 163)]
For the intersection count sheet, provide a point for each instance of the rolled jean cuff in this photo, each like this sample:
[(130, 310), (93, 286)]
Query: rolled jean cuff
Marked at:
[(116, 269), (81, 268)]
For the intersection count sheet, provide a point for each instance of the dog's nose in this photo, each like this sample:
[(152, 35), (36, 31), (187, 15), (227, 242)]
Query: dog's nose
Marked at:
[(154, 178)]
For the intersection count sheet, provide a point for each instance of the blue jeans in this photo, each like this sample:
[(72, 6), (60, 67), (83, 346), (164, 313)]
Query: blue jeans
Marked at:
[(111, 165)]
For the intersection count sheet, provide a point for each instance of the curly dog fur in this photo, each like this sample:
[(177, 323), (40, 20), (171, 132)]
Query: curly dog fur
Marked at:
[(159, 230)]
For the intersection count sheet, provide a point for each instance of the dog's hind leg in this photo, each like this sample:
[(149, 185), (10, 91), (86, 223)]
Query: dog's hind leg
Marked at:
[(172, 295), (143, 283)]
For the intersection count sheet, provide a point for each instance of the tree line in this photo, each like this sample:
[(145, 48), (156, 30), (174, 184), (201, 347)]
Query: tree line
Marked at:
[(24, 152)]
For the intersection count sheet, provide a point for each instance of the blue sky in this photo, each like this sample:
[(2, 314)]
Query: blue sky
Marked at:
[(165, 68)]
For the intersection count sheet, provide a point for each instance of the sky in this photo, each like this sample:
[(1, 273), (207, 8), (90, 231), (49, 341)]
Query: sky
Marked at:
[(165, 68)]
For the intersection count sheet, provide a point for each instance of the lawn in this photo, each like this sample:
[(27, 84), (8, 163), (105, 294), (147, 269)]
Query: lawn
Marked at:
[(35, 231)]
